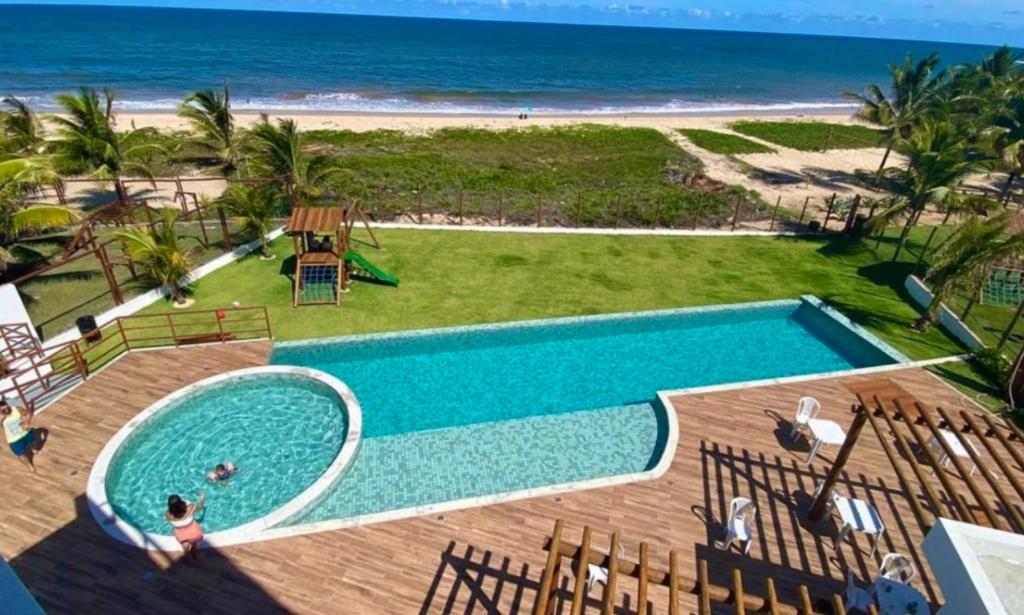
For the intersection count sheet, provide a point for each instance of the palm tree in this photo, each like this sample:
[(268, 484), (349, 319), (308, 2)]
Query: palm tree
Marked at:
[(161, 259), (17, 177), (274, 151), (938, 160), (911, 90), (20, 131), (255, 208), (974, 245), (88, 143), (209, 113), (1008, 130)]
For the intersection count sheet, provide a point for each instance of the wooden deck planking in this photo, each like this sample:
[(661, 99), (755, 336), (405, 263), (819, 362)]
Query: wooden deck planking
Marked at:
[(483, 560)]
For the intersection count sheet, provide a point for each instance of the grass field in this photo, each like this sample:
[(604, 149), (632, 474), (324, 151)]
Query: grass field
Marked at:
[(811, 136), (722, 142)]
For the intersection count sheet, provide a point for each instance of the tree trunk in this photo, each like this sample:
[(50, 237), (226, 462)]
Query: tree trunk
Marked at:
[(931, 236), (1007, 188), (970, 305), (1012, 325), (264, 248), (911, 221), (885, 158), (928, 318)]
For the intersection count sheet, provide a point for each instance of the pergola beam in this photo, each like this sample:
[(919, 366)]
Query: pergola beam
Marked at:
[(923, 519), (1005, 468), (922, 478), (1010, 448)]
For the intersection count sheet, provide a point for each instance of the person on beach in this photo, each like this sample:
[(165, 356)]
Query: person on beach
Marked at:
[(222, 473), (25, 441), (181, 514)]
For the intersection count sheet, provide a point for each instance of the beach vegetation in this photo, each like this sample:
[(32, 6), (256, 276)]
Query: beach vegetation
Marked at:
[(208, 113), (912, 90), (21, 132), (20, 220), (811, 136), (255, 209), (718, 142), (163, 261), (274, 151)]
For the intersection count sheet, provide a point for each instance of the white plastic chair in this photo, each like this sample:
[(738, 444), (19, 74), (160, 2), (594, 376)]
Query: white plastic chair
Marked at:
[(599, 574), (855, 598), (740, 526), (897, 567), (806, 409)]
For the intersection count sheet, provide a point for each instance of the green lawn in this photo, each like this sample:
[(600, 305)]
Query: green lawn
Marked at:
[(811, 136), (722, 142), (452, 278)]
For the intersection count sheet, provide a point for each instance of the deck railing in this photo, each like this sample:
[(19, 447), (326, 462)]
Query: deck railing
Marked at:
[(34, 378)]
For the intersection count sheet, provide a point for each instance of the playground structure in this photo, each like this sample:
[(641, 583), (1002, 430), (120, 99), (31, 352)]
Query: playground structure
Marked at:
[(324, 266)]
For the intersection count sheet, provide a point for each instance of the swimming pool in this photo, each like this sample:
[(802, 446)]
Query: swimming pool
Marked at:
[(470, 415), (456, 414)]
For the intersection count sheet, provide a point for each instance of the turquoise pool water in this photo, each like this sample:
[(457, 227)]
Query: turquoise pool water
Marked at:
[(479, 411), (281, 431)]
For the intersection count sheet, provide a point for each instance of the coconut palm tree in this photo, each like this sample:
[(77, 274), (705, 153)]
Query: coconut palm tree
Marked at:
[(975, 244), (88, 143), (161, 259), (254, 208), (1007, 128), (911, 89), (938, 160), (17, 220), (209, 113), (274, 150), (20, 131)]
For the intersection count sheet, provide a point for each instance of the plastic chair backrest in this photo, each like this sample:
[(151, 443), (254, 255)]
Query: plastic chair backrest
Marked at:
[(897, 567), (807, 409), (742, 508)]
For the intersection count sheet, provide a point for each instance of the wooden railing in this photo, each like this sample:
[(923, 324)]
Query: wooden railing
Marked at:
[(36, 376)]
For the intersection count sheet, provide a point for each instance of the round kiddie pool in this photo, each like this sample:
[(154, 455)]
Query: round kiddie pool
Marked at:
[(290, 431)]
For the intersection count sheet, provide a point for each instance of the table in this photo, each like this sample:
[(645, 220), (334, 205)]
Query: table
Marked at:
[(895, 598), (859, 516), (823, 432), (954, 443)]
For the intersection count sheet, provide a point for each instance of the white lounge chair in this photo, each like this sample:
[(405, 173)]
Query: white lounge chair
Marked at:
[(897, 567), (806, 409), (855, 598), (599, 574), (740, 526)]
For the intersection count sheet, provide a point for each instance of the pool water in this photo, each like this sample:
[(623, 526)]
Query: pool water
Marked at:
[(485, 410), (282, 433)]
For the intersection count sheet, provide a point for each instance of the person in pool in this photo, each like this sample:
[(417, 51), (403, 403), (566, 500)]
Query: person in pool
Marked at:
[(181, 514), (222, 473), (23, 439)]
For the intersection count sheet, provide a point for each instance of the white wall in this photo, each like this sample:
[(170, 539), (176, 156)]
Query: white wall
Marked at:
[(947, 319), (12, 310)]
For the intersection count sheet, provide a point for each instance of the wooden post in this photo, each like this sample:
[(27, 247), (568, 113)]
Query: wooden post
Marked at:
[(202, 223), (549, 583), (108, 272), (805, 601), (828, 140), (461, 207), (737, 588), (803, 211), (419, 206), (820, 504), (578, 594), (673, 583), (775, 212), (828, 214), (224, 230), (736, 212), (696, 217), (641, 596), (657, 214), (501, 207), (852, 215), (540, 209), (704, 600), (611, 589), (124, 338), (579, 208), (618, 211)]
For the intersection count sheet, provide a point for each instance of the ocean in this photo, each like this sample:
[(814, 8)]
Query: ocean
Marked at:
[(300, 61)]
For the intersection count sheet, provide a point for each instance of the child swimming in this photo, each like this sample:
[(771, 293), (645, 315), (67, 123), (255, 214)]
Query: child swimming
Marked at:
[(222, 472)]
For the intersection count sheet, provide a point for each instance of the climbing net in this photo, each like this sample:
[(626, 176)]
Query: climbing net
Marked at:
[(319, 284), (1004, 286)]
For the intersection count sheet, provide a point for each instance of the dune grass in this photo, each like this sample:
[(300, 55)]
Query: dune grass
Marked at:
[(722, 142), (811, 136)]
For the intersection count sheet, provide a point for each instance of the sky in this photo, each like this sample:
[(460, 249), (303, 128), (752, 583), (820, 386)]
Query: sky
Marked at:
[(990, 22)]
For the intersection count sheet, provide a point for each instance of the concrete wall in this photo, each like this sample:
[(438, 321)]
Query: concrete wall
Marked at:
[(947, 319)]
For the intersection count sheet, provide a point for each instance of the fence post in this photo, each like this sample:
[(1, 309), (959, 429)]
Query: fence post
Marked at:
[(170, 323), (540, 211), (579, 208), (461, 207), (803, 211), (618, 211), (501, 208), (775, 212), (828, 214), (852, 215), (736, 213), (108, 272), (828, 140), (696, 217), (124, 338), (657, 214), (419, 206)]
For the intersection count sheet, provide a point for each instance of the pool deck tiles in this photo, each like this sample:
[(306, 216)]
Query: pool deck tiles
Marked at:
[(480, 560)]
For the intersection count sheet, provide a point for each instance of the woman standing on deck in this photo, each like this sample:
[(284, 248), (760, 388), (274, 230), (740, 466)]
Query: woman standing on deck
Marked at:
[(21, 436), (181, 515)]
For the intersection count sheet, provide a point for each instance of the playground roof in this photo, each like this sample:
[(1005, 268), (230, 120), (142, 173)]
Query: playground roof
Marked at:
[(316, 219)]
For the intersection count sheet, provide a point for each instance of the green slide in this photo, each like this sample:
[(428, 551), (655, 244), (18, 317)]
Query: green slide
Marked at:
[(371, 269)]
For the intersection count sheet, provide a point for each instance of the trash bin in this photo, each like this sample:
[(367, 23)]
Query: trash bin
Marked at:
[(87, 327)]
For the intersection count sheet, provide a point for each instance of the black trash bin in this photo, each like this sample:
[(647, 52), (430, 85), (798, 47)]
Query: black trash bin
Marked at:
[(87, 327)]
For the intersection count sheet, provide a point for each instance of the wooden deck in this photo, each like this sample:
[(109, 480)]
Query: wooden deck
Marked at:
[(483, 560)]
